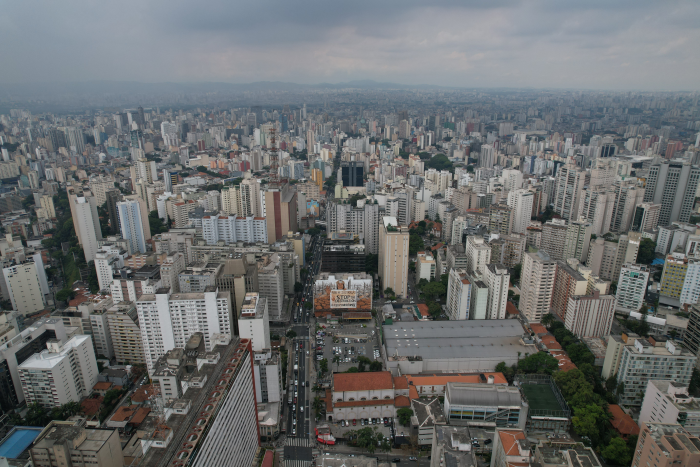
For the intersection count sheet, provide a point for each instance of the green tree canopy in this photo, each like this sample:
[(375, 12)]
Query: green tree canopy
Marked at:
[(646, 253), (617, 452), (539, 362), (404, 415), (415, 244)]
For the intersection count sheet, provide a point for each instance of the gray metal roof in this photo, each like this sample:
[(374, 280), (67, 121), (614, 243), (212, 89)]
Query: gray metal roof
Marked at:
[(483, 395)]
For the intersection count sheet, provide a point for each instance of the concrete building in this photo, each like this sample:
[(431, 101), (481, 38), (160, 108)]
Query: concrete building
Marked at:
[(521, 203), (425, 266), (64, 372), (485, 405), (590, 315), (232, 229), (667, 445), (631, 287), (643, 362), (168, 320), (452, 445), (537, 284), (458, 295), (578, 238), (363, 221), (461, 346), (108, 261), (510, 448), (128, 285), (366, 395), (568, 283), (170, 271), (613, 353), (646, 217), (554, 238), (254, 321), (569, 184), (393, 256), (673, 185), (87, 223), (271, 284), (280, 207), (198, 276), (668, 402), (25, 288), (497, 280), (478, 255), (125, 333), (66, 444), (478, 308)]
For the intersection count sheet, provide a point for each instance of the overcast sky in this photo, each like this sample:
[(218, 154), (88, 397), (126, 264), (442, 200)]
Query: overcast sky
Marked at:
[(608, 44)]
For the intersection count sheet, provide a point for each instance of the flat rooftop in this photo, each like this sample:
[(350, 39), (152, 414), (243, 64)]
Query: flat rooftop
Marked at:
[(17, 440)]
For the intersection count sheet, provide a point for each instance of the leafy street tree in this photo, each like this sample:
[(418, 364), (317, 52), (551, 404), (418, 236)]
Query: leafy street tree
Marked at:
[(291, 334), (375, 366), (539, 362), (389, 291), (323, 365), (404, 415), (617, 452), (646, 253), (415, 244), (588, 421), (336, 360), (298, 287)]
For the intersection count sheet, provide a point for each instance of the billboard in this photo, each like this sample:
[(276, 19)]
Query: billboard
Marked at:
[(338, 293), (343, 298)]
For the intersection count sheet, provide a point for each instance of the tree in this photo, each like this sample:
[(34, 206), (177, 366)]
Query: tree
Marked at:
[(308, 305), (375, 366), (539, 362), (156, 223), (65, 294), (352, 369), (434, 289), (580, 354), (291, 334), (434, 309), (590, 421), (415, 244), (646, 253), (694, 386), (404, 415), (371, 263), (507, 371), (336, 360), (363, 362), (517, 269), (323, 365), (438, 162), (367, 438), (317, 405), (548, 319), (298, 287), (617, 452)]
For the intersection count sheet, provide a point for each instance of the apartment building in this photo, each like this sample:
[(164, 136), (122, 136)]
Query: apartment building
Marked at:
[(668, 402), (458, 295), (125, 333), (537, 284), (393, 256), (631, 287)]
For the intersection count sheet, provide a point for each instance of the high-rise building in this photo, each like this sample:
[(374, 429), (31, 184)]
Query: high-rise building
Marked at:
[(554, 238), (131, 225), (232, 229), (170, 270), (108, 260), (64, 372), (569, 184), (352, 173), (521, 203), (478, 255), (393, 256), (646, 217), (627, 196), (63, 443), (75, 139), (125, 333), (363, 221), (88, 224), (497, 279), (254, 321), (673, 185), (578, 238), (170, 133), (458, 295), (168, 320), (280, 207), (666, 401), (590, 315), (568, 283), (24, 286), (112, 198), (631, 287), (537, 284), (644, 361)]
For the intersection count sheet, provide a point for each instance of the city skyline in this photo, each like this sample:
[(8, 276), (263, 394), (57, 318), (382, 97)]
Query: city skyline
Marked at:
[(512, 44)]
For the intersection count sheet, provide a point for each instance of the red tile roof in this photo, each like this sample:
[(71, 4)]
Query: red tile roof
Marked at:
[(91, 406), (102, 386), (423, 309), (622, 422), (511, 309), (362, 381), (509, 440), (538, 328), (124, 413), (139, 416), (372, 402), (400, 382), (441, 380), (402, 401)]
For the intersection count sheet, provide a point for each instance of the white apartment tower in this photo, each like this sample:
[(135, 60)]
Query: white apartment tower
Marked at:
[(88, 224), (131, 225), (478, 255), (497, 279), (631, 287), (254, 321), (521, 203), (458, 295), (537, 283)]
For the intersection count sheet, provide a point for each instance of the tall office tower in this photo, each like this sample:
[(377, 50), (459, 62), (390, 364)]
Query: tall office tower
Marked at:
[(64, 372), (478, 255), (569, 184), (644, 361), (627, 197), (254, 321), (404, 129), (554, 238), (146, 170), (88, 224), (497, 279), (75, 139), (280, 211), (24, 286), (170, 133), (597, 206), (666, 444), (393, 256), (113, 197), (458, 295), (631, 287), (590, 315), (673, 186), (168, 320), (646, 217), (352, 173), (521, 203), (568, 283), (578, 238), (537, 284), (131, 225), (486, 156)]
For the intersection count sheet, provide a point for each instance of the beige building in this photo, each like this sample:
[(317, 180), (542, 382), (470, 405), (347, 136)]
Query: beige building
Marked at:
[(24, 288), (47, 204), (537, 284), (393, 256), (665, 445), (64, 444), (280, 212), (124, 329), (171, 267), (554, 238)]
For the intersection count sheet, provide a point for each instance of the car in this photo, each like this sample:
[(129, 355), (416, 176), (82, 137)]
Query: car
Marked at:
[(488, 441), (386, 421), (294, 432), (396, 460), (294, 422), (342, 423), (296, 394), (307, 352), (412, 458), (354, 421), (295, 400)]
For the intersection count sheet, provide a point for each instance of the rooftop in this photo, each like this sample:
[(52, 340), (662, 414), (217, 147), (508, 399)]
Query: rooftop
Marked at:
[(476, 394), (362, 381)]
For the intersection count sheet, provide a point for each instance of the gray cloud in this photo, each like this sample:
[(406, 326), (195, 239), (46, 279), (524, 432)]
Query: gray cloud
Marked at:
[(623, 44)]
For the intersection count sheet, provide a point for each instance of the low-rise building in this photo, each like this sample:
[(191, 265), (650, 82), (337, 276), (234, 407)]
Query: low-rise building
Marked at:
[(366, 395), (427, 415), (485, 405), (63, 443), (452, 446)]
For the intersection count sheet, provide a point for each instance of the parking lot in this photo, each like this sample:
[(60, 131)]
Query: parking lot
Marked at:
[(347, 341), (339, 431)]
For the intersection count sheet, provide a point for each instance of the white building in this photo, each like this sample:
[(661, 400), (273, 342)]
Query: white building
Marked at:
[(24, 286), (254, 321), (666, 401), (425, 266), (631, 287), (65, 372), (458, 295), (497, 280), (108, 259), (521, 203), (231, 229), (537, 284), (478, 255), (88, 225), (168, 320), (578, 238), (590, 315)]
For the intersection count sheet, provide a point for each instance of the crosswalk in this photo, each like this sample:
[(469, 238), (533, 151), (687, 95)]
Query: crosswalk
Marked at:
[(304, 442)]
